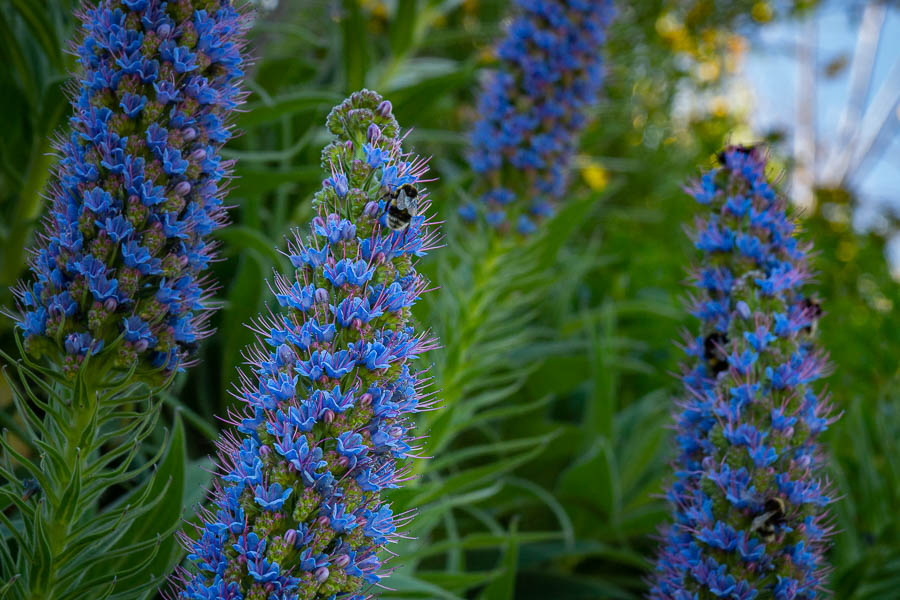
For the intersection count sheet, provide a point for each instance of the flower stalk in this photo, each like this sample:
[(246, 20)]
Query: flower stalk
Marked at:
[(533, 107), (748, 499), (329, 400), (118, 298)]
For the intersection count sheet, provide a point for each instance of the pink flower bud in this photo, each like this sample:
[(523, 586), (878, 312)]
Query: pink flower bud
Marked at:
[(183, 188), (291, 537), (373, 134)]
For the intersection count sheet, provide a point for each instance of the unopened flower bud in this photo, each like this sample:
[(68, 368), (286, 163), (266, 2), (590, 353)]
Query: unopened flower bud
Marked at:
[(183, 188), (373, 134), (371, 210)]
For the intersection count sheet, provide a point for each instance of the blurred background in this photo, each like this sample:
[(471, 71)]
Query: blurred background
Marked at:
[(555, 372)]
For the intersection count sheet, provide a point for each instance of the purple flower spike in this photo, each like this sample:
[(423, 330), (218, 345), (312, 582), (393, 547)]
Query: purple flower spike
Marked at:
[(748, 500), (533, 107), (330, 397), (138, 188)]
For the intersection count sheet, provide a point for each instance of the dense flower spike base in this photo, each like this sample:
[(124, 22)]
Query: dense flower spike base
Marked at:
[(139, 187), (748, 501), (534, 105), (327, 425)]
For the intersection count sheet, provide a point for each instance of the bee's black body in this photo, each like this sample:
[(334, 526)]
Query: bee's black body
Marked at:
[(814, 309), (713, 352), (401, 206), (771, 517)]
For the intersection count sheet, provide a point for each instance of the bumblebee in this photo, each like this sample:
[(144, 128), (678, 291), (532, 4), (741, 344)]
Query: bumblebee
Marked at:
[(714, 352), (401, 206), (814, 310), (772, 517), (739, 148)]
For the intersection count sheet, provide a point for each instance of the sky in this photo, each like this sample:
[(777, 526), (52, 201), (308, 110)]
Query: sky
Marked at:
[(771, 69)]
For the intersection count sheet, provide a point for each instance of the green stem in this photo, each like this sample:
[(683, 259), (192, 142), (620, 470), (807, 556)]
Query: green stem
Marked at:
[(62, 514)]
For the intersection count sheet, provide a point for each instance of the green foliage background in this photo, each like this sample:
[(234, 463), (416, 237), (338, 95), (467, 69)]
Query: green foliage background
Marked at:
[(551, 450)]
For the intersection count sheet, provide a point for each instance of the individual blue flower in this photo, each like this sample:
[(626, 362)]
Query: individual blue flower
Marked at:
[(747, 500), (271, 498), (139, 185), (533, 107), (137, 330), (330, 394)]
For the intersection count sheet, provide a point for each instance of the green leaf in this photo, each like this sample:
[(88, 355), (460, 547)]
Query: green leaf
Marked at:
[(71, 498), (353, 29), (468, 478), (41, 553), (406, 586), (13, 53), (162, 520), (594, 479), (40, 27), (458, 582), (238, 237), (244, 299), (481, 541), (252, 181), (504, 587), (292, 103), (403, 26)]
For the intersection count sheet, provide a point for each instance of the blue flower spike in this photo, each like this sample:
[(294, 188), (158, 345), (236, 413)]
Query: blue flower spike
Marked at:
[(120, 270), (748, 498), (328, 405), (533, 107)]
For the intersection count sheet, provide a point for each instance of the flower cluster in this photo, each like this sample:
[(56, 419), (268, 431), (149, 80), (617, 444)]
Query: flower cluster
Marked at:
[(139, 186), (326, 427), (533, 106), (748, 501)]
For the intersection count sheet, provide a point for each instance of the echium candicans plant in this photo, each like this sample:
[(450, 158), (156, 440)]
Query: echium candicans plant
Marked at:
[(748, 498), (328, 406), (533, 107), (118, 298)]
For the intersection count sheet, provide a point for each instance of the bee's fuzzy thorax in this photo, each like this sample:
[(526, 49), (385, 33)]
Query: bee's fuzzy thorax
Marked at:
[(748, 498), (330, 393), (533, 107), (139, 186)]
